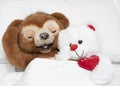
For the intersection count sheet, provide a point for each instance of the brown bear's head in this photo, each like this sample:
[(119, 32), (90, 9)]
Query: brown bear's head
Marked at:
[(38, 33)]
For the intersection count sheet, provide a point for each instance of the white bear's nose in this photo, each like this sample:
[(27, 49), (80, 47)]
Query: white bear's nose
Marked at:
[(73, 47)]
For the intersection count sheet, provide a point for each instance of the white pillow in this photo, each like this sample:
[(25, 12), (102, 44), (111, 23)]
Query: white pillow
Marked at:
[(101, 12)]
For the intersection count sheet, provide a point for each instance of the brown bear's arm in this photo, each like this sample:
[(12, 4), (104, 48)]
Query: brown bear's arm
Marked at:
[(12, 50)]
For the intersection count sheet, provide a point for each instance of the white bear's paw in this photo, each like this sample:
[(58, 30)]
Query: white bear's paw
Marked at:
[(101, 79)]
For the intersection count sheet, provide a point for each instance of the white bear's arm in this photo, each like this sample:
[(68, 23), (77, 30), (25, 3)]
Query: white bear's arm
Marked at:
[(63, 54), (103, 73)]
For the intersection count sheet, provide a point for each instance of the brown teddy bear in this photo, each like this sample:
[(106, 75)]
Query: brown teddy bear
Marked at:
[(35, 36)]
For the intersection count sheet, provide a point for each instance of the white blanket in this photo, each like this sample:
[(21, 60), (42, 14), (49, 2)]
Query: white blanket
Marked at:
[(44, 72)]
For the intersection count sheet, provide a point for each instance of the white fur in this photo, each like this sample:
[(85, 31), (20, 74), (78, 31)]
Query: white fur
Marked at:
[(90, 43), (103, 72)]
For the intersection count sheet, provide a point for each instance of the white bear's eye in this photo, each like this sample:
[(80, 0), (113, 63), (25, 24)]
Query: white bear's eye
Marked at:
[(70, 44), (80, 41)]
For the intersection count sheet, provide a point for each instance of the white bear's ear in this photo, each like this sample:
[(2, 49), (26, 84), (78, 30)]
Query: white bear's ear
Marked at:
[(91, 27)]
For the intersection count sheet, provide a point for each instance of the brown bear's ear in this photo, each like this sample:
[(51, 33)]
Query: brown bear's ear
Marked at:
[(61, 18), (15, 23)]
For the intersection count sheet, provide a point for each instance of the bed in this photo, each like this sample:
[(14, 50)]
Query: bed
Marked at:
[(105, 14)]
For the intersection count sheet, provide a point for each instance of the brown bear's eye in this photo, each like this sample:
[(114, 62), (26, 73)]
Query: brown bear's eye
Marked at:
[(54, 31), (29, 37)]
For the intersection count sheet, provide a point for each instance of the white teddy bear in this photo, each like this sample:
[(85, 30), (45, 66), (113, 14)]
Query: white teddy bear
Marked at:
[(80, 43)]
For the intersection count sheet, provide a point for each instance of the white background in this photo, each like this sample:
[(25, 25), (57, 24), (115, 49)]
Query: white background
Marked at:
[(103, 13)]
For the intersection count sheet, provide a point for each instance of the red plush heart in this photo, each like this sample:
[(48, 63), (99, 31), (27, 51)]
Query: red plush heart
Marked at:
[(73, 47), (89, 63)]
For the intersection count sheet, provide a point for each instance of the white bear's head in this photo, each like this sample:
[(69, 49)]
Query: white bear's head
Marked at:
[(84, 37)]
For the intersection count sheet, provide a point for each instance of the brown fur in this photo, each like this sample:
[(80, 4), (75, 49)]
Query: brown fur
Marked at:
[(15, 53)]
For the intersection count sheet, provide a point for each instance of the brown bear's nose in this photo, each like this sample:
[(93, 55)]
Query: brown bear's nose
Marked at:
[(44, 35)]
